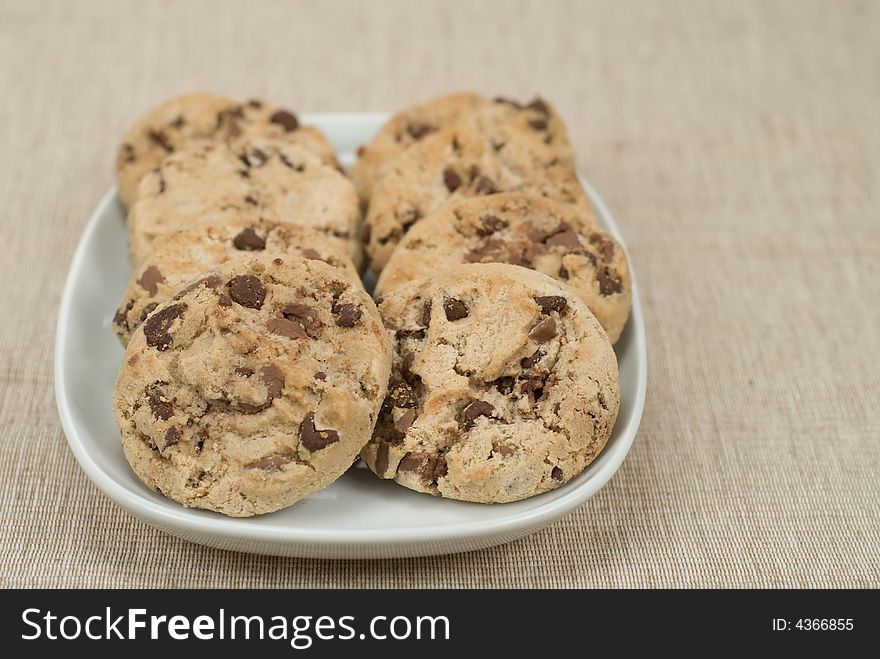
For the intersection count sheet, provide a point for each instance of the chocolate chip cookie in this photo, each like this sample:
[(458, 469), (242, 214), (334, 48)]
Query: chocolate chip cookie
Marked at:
[(412, 124), (252, 179), (525, 230), (176, 123), (504, 385), (457, 163), (181, 256), (254, 386)]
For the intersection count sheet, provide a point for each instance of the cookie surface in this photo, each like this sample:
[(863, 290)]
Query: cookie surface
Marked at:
[(174, 124), (253, 387), (504, 385), (181, 256), (525, 230), (415, 122), (252, 179), (458, 163)]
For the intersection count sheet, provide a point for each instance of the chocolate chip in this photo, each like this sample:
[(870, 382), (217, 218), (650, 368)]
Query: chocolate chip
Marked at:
[(347, 315), (172, 436), (274, 462), (533, 386), (418, 129), (538, 124), (249, 240), (304, 315), (455, 309), (505, 385), (563, 273), (161, 409), (121, 316), (150, 279), (557, 474), (529, 362), (550, 303), (381, 465), (247, 290), (429, 467), (401, 395), (366, 230), (410, 334), (312, 438), (297, 167), (539, 105), (150, 308), (320, 375), (490, 224), (255, 103), (285, 119), (451, 179), (504, 449), (156, 326), (224, 300), (567, 239), (489, 251), (543, 331), (273, 378), (426, 313), (254, 158), (288, 328), (608, 285), (243, 371), (406, 420), (485, 185), (473, 411), (160, 138), (605, 245), (251, 200), (211, 281)]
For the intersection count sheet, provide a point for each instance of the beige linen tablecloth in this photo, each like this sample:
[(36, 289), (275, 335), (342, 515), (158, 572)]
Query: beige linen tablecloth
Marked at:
[(737, 143)]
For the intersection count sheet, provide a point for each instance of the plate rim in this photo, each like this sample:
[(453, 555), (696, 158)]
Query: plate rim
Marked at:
[(223, 529)]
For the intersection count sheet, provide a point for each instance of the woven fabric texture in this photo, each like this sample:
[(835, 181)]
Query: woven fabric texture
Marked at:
[(737, 143)]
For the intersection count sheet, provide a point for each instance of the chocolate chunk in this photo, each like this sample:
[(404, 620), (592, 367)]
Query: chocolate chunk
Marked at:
[(418, 129), (567, 239), (247, 290), (121, 316), (381, 465), (505, 385), (161, 139), (274, 462), (604, 244), (429, 467), (406, 420), (485, 185), (150, 279), (550, 303), (533, 386), (211, 281), (309, 253), (320, 375), (504, 449), (347, 315), (251, 200), (529, 362), (455, 309), (288, 328), (490, 224), (157, 326), (243, 371), (608, 285), (401, 395), (538, 124), (254, 158), (426, 313), (285, 119), (249, 240), (312, 438), (161, 409), (304, 315), (451, 179), (543, 331), (557, 474), (410, 333), (273, 377), (539, 105), (491, 250), (172, 436), (473, 411), (150, 308)]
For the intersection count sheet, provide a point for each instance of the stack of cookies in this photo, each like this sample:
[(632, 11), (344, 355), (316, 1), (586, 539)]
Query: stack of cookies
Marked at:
[(258, 368)]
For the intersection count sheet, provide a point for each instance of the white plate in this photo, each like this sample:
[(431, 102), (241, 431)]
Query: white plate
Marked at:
[(359, 516)]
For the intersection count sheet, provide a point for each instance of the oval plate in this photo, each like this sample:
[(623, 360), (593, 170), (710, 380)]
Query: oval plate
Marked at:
[(358, 516)]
